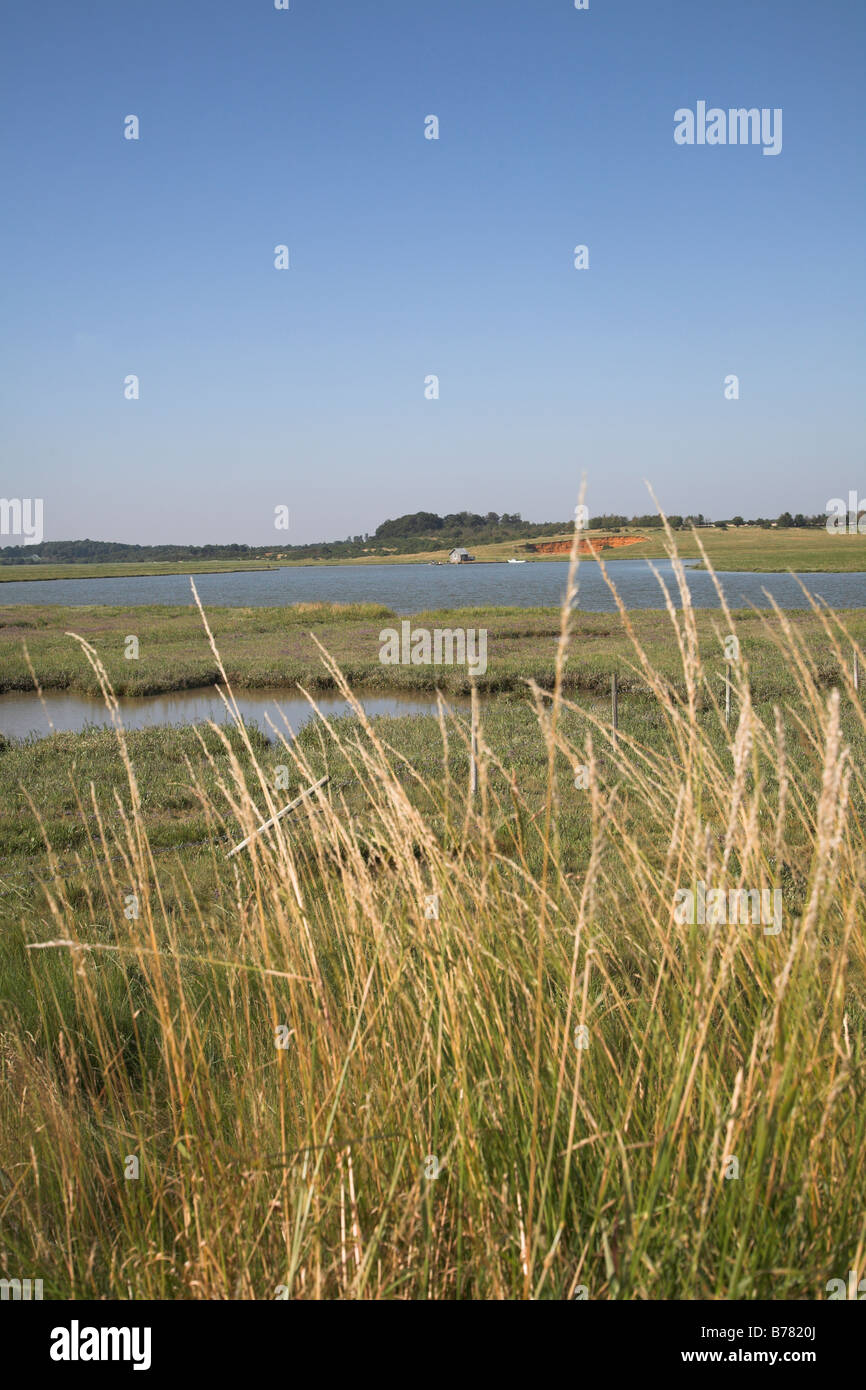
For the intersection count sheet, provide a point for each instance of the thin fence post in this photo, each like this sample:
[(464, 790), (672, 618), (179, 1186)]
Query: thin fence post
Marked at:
[(856, 671), (614, 705), (473, 752), (727, 694), (279, 816)]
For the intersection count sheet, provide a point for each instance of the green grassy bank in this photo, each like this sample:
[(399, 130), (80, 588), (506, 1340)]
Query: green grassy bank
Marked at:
[(277, 647)]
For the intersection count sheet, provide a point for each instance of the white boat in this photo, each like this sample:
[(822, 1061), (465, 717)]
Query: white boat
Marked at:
[(516, 562)]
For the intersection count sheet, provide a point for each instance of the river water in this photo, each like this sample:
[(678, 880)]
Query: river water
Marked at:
[(415, 588)]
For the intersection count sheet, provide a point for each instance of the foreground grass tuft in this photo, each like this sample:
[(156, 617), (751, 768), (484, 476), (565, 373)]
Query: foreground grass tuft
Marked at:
[(418, 1043)]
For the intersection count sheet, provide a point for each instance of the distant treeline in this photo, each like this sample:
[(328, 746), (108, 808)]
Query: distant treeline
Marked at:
[(409, 534), (428, 523), (613, 521), (406, 534)]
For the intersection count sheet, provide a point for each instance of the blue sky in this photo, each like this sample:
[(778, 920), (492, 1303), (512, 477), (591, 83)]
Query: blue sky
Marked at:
[(412, 257)]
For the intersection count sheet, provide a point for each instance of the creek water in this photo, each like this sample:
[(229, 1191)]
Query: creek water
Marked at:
[(22, 714)]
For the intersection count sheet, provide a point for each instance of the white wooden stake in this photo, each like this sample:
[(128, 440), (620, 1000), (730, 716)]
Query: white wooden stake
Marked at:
[(279, 816), (473, 752), (727, 694)]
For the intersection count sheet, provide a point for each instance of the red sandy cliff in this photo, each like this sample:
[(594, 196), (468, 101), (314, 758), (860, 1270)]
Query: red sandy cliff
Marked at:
[(587, 547)]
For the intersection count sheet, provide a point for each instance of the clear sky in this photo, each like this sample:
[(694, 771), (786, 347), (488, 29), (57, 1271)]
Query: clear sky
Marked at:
[(411, 257)]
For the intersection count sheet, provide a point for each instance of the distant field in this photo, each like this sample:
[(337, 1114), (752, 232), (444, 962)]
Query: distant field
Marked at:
[(748, 548), (130, 569), (752, 548)]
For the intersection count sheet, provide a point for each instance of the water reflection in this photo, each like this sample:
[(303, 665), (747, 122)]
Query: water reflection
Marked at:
[(23, 714)]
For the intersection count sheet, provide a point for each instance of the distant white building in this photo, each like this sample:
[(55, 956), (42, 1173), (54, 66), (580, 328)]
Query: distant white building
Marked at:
[(459, 556)]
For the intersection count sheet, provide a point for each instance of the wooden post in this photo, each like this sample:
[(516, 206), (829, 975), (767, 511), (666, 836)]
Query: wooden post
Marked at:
[(473, 752), (727, 694), (856, 671), (279, 816), (614, 705)]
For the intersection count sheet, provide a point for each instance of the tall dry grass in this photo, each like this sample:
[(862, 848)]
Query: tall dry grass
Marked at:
[(539, 1093)]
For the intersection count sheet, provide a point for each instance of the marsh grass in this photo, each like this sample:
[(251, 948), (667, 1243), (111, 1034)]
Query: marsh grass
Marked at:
[(262, 648), (449, 1044)]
